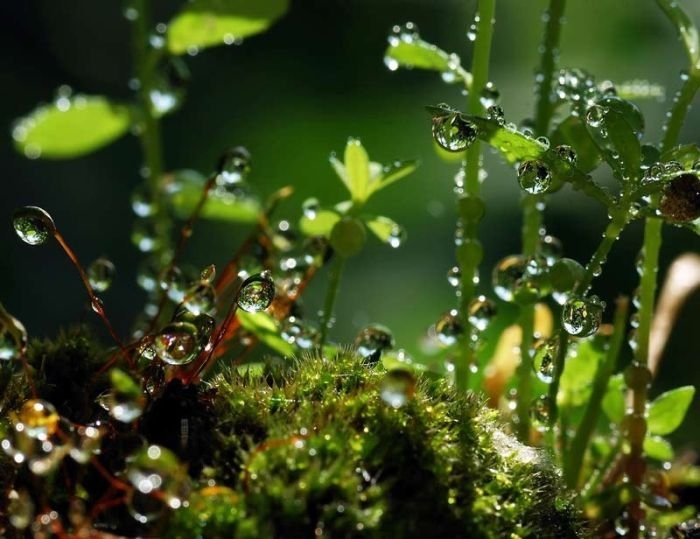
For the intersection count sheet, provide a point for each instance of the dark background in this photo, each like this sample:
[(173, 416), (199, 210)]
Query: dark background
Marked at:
[(292, 96)]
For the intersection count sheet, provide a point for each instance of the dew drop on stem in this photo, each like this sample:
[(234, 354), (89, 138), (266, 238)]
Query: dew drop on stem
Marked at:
[(581, 317), (33, 225), (256, 293), (372, 341)]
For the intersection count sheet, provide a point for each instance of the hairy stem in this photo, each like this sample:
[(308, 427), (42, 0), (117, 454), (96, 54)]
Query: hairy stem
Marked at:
[(469, 253), (149, 133), (336, 272), (574, 458)]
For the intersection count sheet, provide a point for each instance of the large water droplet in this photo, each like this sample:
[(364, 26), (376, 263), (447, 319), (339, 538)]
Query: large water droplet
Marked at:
[(234, 166), (453, 132), (544, 359), (516, 278), (174, 282), (372, 341), (178, 343), (200, 298), (145, 235), (534, 177), (33, 225), (86, 444), (155, 469), (398, 387), (481, 311), (296, 331), (449, 328), (39, 418), (256, 293), (595, 116), (581, 316), (551, 249), (100, 274)]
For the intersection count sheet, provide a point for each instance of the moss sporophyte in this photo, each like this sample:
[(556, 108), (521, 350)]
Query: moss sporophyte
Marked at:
[(228, 411)]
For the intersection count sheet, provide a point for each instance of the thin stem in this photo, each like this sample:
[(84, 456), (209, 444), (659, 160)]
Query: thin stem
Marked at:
[(336, 271), (550, 54), (524, 372), (468, 262), (150, 126), (574, 458)]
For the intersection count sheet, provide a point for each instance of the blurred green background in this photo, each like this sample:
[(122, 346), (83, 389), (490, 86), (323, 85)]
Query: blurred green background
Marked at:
[(292, 96)]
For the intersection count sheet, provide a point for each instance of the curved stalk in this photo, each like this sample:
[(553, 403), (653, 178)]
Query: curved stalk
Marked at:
[(336, 272), (469, 264)]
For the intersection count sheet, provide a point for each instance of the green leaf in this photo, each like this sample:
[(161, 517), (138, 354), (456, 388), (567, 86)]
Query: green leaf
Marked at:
[(687, 155), (667, 411), (71, 127), (357, 170), (392, 173), (420, 54), (579, 371), (658, 448), (685, 27), (184, 190), (320, 225), (614, 399), (387, 230), (572, 131), (265, 328), (208, 23), (639, 89), (123, 384)]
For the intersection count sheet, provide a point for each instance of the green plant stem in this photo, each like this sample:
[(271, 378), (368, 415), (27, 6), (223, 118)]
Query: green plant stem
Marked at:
[(532, 215), (619, 220), (574, 457), (150, 127), (468, 263), (336, 271)]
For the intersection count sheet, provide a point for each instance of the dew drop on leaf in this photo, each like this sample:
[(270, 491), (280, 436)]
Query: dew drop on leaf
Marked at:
[(33, 225), (372, 341), (449, 328), (581, 316), (453, 132), (256, 293), (566, 153), (534, 177), (234, 166), (481, 311), (595, 116), (398, 387), (100, 274)]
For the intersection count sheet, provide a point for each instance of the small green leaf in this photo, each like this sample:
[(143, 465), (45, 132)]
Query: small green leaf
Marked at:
[(687, 155), (357, 170), (685, 27), (71, 127), (392, 173), (265, 328), (667, 411), (387, 230), (658, 448), (184, 190), (614, 399), (123, 384), (320, 225), (208, 23), (420, 54), (572, 131)]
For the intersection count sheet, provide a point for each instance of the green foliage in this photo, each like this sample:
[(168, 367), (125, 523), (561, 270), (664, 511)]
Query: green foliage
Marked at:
[(667, 411)]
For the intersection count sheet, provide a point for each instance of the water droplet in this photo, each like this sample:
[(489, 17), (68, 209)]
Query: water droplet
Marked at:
[(398, 387), (496, 114), (517, 279), (372, 341), (595, 116), (208, 274), (397, 236), (200, 298), (296, 331), (540, 410), (124, 401), (310, 208), (20, 509), (551, 249), (481, 311), (489, 96), (581, 316), (566, 153), (145, 235), (33, 225), (100, 274), (453, 132), (178, 343), (637, 376), (155, 469), (256, 293), (472, 32), (39, 418), (87, 443), (680, 201), (454, 276), (13, 336), (534, 177), (234, 166), (544, 359), (174, 282), (144, 508), (141, 203), (449, 328)]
